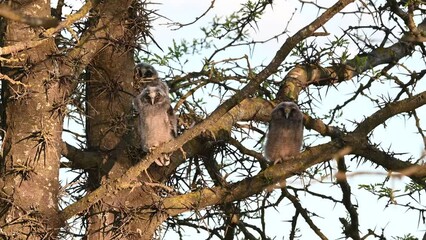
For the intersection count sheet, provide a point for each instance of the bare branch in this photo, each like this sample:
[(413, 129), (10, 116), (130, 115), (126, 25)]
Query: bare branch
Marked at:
[(181, 25), (10, 80), (80, 159), (390, 110), (303, 75), (249, 186), (389, 162), (304, 213), (50, 32), (350, 229)]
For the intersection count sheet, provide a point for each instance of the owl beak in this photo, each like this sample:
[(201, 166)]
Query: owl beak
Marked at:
[(152, 97), (287, 112)]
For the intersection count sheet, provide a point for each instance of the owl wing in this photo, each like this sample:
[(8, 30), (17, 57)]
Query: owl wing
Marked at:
[(173, 121), (273, 144), (137, 103)]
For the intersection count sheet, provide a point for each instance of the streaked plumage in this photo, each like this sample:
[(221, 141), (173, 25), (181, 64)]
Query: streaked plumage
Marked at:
[(157, 122), (285, 132)]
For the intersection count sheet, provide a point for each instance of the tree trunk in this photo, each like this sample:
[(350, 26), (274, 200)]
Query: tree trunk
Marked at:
[(32, 120), (110, 130)]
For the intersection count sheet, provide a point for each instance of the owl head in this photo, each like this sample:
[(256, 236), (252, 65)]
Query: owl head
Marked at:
[(154, 95), (287, 110), (145, 71)]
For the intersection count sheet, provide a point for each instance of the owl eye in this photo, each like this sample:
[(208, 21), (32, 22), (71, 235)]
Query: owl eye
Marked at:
[(158, 96), (138, 73), (148, 74)]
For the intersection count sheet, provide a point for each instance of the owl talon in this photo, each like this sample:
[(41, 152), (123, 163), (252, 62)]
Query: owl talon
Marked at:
[(163, 161), (166, 159), (183, 152), (278, 161), (159, 162), (148, 149)]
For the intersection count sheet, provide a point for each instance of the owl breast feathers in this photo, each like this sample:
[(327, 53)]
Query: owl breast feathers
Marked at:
[(285, 132), (157, 122)]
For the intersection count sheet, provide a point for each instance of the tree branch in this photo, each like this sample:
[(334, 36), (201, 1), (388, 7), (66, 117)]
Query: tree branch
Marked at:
[(80, 159), (350, 229), (390, 110), (247, 187), (416, 172), (50, 32), (303, 75), (304, 213)]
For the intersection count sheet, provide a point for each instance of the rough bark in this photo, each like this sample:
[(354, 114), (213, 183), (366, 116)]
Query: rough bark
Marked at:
[(108, 109), (33, 125), (110, 130)]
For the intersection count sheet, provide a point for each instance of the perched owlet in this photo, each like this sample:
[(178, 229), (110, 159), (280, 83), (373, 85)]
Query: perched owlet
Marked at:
[(157, 122), (285, 132)]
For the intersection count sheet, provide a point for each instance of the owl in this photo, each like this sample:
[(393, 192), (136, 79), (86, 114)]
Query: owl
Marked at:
[(157, 123), (285, 132)]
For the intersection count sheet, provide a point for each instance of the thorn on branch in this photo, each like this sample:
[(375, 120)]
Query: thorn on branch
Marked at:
[(304, 212), (350, 229), (10, 80)]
